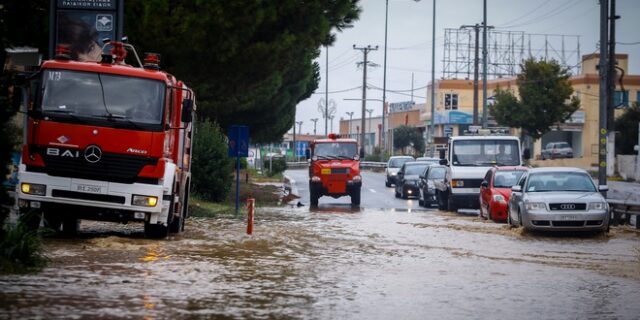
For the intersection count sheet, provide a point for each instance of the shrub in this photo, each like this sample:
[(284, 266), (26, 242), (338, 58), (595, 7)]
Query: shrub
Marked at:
[(21, 250), (212, 168), (278, 165)]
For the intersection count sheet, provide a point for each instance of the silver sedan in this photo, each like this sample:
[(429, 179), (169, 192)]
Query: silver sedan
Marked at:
[(563, 199)]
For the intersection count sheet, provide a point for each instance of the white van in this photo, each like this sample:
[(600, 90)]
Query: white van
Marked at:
[(467, 159)]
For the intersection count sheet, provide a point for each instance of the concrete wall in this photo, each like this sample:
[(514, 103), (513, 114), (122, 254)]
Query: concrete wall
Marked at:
[(627, 168)]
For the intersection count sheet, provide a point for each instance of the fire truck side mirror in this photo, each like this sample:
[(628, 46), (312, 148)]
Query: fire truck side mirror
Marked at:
[(362, 153), (16, 98), (187, 110), (526, 154), (307, 153)]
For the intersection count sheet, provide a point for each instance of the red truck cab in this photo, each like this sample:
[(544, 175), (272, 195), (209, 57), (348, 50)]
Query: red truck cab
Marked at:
[(107, 141), (334, 169)]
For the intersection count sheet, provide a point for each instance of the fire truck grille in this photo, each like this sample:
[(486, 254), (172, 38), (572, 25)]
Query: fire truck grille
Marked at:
[(111, 167)]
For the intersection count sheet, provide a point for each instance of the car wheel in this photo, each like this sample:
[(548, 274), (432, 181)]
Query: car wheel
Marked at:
[(396, 193), (451, 206), (387, 183), (520, 218), (439, 200), (420, 201), (355, 197), (489, 217)]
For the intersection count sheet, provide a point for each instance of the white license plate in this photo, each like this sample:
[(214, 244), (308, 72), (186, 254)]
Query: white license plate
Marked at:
[(569, 217), (88, 188)]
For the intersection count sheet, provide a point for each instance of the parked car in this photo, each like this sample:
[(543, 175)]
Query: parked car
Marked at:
[(558, 198), (495, 190), (407, 179), (431, 174), (556, 150), (429, 159), (393, 166)]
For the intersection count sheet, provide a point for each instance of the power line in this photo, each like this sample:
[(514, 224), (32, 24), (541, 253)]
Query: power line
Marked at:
[(340, 91), (551, 13)]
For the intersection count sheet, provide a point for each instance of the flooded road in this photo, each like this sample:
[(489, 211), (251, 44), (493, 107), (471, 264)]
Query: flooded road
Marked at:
[(335, 263)]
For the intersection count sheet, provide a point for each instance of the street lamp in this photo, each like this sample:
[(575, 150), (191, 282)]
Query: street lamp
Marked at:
[(350, 117), (384, 77), (299, 123), (315, 121)]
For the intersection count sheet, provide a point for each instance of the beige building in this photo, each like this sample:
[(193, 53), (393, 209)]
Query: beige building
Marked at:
[(454, 111)]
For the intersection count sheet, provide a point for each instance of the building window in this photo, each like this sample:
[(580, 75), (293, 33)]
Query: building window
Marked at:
[(621, 99), (451, 101)]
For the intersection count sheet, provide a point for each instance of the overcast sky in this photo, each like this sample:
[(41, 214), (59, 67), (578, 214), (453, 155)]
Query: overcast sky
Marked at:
[(409, 45)]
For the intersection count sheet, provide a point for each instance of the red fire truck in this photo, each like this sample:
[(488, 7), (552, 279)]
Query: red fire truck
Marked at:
[(107, 141), (334, 169)]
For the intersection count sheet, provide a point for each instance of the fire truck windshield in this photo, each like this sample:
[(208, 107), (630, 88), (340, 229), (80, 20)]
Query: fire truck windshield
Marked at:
[(102, 99), (344, 150)]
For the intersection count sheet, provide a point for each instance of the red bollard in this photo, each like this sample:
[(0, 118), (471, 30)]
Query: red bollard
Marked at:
[(250, 205)]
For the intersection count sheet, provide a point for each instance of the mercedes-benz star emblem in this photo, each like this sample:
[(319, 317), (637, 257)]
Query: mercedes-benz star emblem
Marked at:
[(92, 154)]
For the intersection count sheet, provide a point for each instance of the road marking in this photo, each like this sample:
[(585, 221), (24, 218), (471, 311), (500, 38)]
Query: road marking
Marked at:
[(373, 191)]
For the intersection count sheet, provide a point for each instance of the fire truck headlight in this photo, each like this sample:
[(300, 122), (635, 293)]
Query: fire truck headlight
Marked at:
[(357, 179), (145, 201), (315, 179), (35, 189)]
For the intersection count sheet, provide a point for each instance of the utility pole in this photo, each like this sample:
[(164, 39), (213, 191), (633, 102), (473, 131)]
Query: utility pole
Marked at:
[(331, 119), (326, 91), (484, 64), (370, 128), (350, 113), (315, 121), (294, 142), (384, 79), (602, 70), (365, 51), (432, 128), (611, 76)]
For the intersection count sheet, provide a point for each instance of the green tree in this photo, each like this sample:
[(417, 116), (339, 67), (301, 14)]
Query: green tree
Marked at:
[(211, 166), (406, 136), (627, 130), (250, 62), (545, 99)]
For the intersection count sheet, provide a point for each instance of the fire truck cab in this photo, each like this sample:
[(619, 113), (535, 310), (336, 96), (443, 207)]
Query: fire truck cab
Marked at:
[(334, 169), (106, 141)]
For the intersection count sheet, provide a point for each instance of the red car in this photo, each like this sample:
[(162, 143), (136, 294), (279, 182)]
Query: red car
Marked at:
[(496, 189)]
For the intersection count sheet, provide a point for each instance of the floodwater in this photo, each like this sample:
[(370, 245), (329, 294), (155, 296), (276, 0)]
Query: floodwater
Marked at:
[(333, 263)]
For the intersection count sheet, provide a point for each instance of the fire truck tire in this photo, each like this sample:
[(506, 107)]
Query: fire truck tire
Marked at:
[(30, 218), (52, 221), (70, 226), (314, 198), (355, 197)]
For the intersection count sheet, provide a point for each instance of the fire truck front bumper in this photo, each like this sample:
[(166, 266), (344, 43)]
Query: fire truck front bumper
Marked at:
[(136, 201), (335, 189)]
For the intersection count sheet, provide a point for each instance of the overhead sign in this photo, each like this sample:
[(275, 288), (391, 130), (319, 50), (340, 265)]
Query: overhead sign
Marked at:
[(401, 106), (238, 141), (301, 146), (83, 24)]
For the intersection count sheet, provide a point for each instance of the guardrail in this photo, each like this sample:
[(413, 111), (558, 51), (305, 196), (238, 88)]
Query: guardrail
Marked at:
[(363, 164), (622, 210)]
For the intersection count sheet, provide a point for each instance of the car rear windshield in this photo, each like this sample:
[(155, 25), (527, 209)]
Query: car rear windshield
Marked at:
[(507, 178), (398, 162)]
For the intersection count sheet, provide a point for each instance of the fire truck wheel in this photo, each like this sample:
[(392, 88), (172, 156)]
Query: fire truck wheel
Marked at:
[(70, 226), (355, 198), (155, 231), (314, 198), (52, 221), (30, 218)]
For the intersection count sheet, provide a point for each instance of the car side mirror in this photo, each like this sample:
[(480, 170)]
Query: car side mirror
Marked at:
[(603, 188), (484, 184), (443, 162), (187, 110), (516, 188), (400, 173), (421, 176)]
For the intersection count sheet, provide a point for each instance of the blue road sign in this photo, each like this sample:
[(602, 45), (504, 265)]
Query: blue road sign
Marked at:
[(238, 141)]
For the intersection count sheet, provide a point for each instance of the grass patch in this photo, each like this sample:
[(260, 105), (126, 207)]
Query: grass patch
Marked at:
[(267, 192), (21, 250)]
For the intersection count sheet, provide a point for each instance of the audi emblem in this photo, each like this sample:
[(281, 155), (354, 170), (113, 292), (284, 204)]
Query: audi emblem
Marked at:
[(567, 206), (92, 154)]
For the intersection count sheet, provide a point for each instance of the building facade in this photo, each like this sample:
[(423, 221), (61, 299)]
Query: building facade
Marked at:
[(454, 111)]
